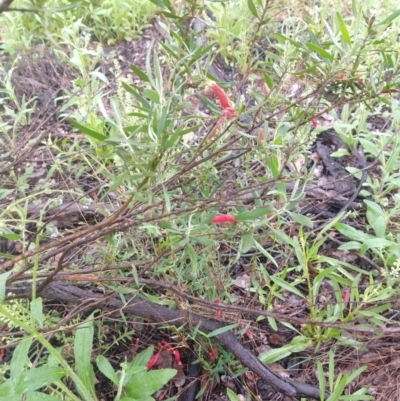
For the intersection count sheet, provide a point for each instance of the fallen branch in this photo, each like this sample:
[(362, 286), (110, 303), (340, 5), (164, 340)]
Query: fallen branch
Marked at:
[(5, 5)]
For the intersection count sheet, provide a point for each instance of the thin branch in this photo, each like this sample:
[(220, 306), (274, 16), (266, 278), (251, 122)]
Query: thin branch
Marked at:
[(5, 5)]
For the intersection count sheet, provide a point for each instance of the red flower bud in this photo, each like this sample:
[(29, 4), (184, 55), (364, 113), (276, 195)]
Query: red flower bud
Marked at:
[(213, 353), (226, 103), (346, 296), (218, 301), (153, 360), (166, 344), (223, 218), (177, 357)]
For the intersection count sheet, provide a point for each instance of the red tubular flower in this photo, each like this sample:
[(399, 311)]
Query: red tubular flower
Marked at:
[(226, 104), (223, 218), (346, 296), (229, 112), (153, 360), (166, 344), (177, 357), (314, 122), (249, 335), (218, 301), (213, 353)]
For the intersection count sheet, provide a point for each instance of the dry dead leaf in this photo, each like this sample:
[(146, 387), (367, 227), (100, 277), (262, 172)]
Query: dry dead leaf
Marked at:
[(243, 281)]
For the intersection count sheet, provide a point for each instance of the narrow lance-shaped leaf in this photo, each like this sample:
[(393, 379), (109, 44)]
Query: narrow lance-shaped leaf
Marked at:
[(139, 73), (252, 8), (254, 214), (88, 131), (391, 17), (343, 28), (323, 53), (83, 345)]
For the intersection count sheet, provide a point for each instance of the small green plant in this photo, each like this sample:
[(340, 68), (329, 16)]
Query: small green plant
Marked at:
[(134, 381), (25, 381), (338, 382)]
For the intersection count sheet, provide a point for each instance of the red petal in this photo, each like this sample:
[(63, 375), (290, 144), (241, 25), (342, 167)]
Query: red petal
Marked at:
[(229, 112), (314, 122), (177, 356), (346, 296), (214, 353), (218, 301), (223, 218), (222, 96), (153, 360), (166, 344)]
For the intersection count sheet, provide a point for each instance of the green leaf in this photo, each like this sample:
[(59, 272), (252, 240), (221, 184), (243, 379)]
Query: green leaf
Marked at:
[(204, 240), (133, 399), (338, 390), (133, 91), (273, 165), (83, 346), (36, 396), (287, 286), (356, 397), (37, 311), (343, 28), (323, 53), (391, 17), (268, 80), (67, 7), (199, 53), (252, 8), (39, 377), (147, 383), (222, 330), (281, 38), (246, 243), (377, 243), (277, 354), (3, 280), (321, 380), (159, 3), (88, 131), (143, 357), (134, 370), (11, 237), (332, 35), (350, 377), (106, 368), (352, 233), (354, 7), (340, 153), (139, 73), (376, 218), (19, 358), (254, 214), (369, 147), (152, 95), (162, 123), (231, 395), (303, 220), (177, 134)]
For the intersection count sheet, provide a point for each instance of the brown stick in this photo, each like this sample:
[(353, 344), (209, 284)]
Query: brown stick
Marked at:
[(4, 5)]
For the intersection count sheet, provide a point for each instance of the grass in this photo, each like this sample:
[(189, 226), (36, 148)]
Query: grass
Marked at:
[(129, 125)]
